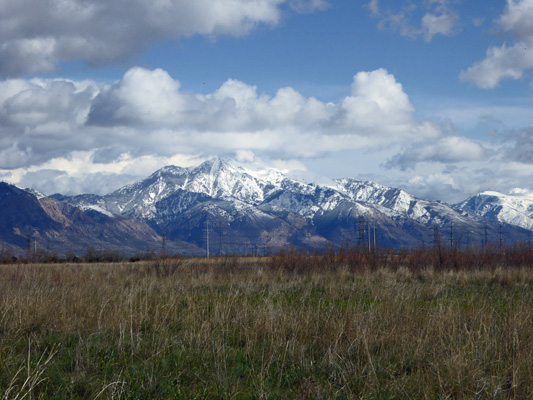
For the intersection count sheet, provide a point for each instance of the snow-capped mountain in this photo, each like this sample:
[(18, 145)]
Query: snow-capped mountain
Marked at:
[(400, 203), (515, 208), (264, 207), (55, 226), (215, 178)]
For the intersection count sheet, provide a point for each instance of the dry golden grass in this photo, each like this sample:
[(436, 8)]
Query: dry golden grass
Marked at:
[(262, 328)]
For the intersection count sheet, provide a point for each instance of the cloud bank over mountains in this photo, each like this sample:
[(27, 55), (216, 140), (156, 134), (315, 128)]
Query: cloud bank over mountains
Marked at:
[(146, 113), (74, 135), (57, 131)]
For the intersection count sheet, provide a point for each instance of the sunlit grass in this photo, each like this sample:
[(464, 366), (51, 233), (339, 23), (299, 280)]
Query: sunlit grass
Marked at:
[(264, 328)]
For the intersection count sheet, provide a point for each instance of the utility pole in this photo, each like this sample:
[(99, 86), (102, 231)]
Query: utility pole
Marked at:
[(368, 228), (28, 244), (451, 235), (374, 235), (163, 245), (436, 237), (500, 233), (220, 241), (361, 225), (35, 233), (206, 239)]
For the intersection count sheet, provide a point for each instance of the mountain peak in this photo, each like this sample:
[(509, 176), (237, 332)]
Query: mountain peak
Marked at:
[(170, 170), (252, 203), (7, 189), (515, 208), (214, 166)]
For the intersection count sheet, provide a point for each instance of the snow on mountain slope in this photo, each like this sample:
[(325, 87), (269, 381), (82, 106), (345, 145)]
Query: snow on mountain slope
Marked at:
[(265, 187), (216, 178), (305, 199), (400, 202), (266, 207), (220, 179), (515, 208)]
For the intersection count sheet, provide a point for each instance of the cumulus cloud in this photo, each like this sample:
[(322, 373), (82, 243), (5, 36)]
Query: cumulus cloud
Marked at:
[(454, 168), (37, 118), (521, 148), (36, 35), (507, 61), (456, 184), (446, 186), (378, 111), (142, 96), (450, 149), (145, 114), (81, 172), (437, 17), (60, 135)]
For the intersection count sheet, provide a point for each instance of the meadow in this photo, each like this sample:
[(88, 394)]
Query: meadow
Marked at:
[(343, 325)]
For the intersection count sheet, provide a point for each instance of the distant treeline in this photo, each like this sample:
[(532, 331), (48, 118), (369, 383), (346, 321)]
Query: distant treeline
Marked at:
[(299, 260)]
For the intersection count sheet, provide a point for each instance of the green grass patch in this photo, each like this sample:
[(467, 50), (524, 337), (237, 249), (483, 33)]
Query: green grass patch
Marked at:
[(254, 331)]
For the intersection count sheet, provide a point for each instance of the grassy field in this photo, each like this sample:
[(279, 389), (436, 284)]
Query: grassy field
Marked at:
[(285, 327)]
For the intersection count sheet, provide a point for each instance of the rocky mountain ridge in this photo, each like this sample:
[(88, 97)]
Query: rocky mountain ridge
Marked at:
[(30, 223), (267, 209), (514, 209)]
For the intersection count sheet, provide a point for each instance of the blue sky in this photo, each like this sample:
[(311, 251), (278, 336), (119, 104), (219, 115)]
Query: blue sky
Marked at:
[(434, 96)]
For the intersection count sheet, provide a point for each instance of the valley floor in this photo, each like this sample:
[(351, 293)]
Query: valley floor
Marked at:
[(271, 328)]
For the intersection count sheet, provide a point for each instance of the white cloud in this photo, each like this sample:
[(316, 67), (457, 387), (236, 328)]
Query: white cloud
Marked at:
[(378, 112), (438, 24), (145, 114), (438, 17), (450, 149), (65, 136), (520, 148), (142, 96), (78, 172), (377, 101), (517, 19), (36, 35), (244, 156), (500, 63), (454, 185), (507, 62)]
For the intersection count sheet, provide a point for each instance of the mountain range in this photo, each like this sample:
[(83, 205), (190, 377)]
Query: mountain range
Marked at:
[(222, 206)]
